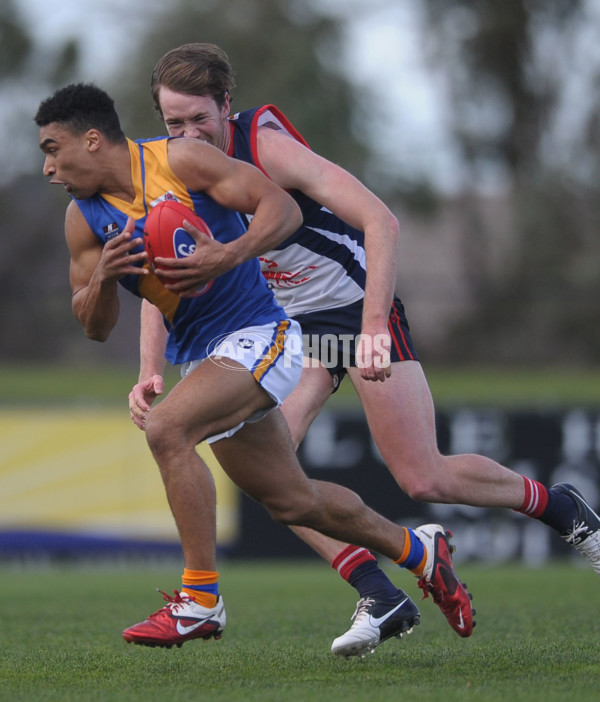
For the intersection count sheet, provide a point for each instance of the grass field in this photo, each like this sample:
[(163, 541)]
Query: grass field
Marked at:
[(513, 388), (537, 638)]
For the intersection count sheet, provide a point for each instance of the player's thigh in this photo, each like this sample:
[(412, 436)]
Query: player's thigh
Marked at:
[(261, 461), (211, 399), (400, 415), (306, 400)]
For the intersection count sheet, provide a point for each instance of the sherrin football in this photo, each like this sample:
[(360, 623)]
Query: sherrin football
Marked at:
[(165, 237)]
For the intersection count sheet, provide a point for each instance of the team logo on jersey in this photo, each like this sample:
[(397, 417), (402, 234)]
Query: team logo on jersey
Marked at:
[(110, 230), (169, 195), (245, 343), (284, 279)]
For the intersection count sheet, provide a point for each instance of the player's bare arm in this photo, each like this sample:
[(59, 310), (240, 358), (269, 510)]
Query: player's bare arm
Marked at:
[(293, 166), (240, 187), (95, 270), (152, 350), (153, 341)]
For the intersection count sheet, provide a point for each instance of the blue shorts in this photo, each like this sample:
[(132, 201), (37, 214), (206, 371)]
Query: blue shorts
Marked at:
[(330, 335)]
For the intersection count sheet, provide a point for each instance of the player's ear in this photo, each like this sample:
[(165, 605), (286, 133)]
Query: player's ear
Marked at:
[(226, 109), (93, 139)]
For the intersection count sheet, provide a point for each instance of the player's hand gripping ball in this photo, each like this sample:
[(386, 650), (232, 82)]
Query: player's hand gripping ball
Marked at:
[(165, 237)]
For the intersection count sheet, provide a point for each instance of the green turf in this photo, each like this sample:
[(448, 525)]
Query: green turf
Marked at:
[(537, 638), (519, 387)]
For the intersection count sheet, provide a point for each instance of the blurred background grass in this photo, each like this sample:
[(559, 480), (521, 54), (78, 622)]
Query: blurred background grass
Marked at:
[(477, 386)]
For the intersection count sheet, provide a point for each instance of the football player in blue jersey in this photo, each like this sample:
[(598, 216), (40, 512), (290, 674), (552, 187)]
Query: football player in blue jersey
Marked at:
[(336, 275), (230, 391)]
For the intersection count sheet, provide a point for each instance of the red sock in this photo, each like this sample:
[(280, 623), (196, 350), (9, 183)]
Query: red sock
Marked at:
[(536, 499), (349, 558)]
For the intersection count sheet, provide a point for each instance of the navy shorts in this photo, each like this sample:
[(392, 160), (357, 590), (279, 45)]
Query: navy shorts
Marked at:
[(329, 336)]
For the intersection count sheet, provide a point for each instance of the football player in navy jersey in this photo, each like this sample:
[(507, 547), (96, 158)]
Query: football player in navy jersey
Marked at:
[(336, 275), (230, 391)]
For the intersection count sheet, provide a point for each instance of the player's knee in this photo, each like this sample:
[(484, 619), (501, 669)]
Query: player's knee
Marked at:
[(161, 436), (423, 482), (291, 512), (423, 488), (433, 490), (421, 492)]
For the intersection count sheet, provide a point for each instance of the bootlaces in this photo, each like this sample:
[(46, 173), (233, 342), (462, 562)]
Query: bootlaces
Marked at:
[(428, 589), (362, 608), (578, 534), (174, 603), (586, 541)]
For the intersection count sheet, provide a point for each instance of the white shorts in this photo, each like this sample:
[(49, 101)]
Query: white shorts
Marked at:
[(271, 352)]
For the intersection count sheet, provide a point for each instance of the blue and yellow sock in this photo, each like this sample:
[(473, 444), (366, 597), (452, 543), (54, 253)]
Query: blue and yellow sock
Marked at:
[(202, 586), (414, 554)]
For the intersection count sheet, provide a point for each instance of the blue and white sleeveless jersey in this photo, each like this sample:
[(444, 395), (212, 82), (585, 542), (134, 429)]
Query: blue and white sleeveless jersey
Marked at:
[(323, 264), (237, 299)]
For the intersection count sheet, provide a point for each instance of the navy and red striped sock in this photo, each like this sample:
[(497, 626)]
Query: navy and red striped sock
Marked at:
[(552, 508), (360, 569)]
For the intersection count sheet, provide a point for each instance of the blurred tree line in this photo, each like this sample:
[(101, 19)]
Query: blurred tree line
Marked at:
[(526, 139)]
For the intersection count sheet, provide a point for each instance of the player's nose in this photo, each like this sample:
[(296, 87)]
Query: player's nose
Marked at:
[(191, 131), (48, 168)]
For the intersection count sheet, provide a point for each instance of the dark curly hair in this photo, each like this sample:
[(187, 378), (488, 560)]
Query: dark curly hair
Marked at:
[(80, 107)]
